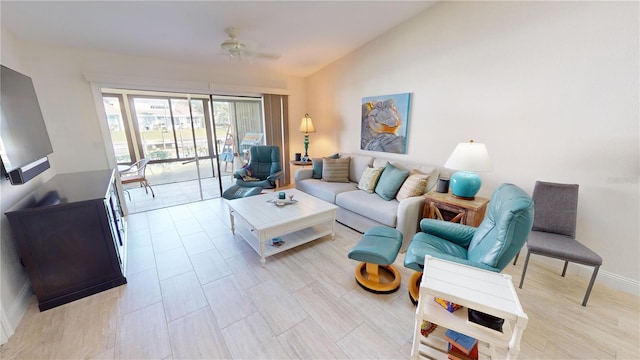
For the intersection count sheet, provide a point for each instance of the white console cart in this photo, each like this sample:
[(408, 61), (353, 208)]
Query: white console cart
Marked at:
[(485, 291)]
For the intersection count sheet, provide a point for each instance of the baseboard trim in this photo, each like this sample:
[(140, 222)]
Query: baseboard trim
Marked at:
[(5, 329), (9, 320), (606, 278), (612, 280)]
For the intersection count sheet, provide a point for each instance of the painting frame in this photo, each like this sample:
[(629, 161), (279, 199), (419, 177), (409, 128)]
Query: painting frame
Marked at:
[(384, 125)]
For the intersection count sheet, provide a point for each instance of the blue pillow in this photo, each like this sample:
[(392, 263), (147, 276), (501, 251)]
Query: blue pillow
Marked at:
[(317, 165), (390, 181)]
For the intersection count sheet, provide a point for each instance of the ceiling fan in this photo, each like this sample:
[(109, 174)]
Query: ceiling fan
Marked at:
[(237, 49)]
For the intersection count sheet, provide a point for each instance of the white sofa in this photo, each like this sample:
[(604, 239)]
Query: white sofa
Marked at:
[(361, 210)]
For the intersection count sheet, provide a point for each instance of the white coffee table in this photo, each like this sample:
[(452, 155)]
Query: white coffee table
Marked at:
[(258, 221)]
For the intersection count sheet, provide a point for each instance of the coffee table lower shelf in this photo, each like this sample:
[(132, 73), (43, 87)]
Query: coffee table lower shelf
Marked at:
[(291, 240)]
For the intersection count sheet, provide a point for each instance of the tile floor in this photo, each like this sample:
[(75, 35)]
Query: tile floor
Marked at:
[(197, 292)]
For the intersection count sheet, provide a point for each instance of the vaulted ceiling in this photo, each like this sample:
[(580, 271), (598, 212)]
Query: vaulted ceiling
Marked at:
[(306, 35)]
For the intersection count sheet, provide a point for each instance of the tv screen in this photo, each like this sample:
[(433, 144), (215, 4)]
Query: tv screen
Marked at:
[(23, 135)]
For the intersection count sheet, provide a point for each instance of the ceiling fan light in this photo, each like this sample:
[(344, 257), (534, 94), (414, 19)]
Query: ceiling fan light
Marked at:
[(232, 44)]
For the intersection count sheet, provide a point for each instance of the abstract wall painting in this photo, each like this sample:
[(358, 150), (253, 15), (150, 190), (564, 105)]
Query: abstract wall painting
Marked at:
[(385, 122)]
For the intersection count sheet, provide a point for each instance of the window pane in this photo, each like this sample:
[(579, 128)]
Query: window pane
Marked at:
[(156, 129), (184, 134), (116, 124)]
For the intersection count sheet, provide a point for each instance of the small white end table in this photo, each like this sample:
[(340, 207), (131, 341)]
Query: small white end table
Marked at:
[(489, 292)]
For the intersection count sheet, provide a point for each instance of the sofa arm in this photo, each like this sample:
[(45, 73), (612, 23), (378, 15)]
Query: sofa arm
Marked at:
[(409, 216), (303, 174)]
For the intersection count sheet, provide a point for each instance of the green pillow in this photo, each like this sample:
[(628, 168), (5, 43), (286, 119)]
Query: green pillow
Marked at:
[(390, 181), (317, 165)]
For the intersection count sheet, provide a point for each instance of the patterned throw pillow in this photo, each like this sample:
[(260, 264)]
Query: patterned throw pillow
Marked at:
[(390, 181), (335, 170), (317, 165), (369, 179), (415, 185)]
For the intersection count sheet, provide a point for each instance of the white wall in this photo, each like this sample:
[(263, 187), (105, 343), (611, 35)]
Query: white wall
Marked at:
[(550, 87), (63, 74), (15, 290), (76, 129)]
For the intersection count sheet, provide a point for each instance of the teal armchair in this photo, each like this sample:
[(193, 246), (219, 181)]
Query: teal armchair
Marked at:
[(264, 166), (490, 246)]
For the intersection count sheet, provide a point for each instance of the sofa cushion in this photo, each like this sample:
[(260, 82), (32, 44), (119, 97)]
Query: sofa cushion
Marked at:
[(358, 164), (433, 171), (317, 165), (390, 181), (326, 191), (415, 185), (335, 170), (370, 205), (369, 179)]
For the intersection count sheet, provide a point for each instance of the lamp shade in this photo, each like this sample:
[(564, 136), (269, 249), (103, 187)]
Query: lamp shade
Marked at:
[(306, 125), (470, 156)]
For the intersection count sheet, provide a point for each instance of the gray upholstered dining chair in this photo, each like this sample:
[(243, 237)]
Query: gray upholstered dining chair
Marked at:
[(554, 230)]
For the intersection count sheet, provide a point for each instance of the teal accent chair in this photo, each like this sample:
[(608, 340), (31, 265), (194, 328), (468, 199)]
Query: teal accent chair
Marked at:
[(490, 246), (265, 165)]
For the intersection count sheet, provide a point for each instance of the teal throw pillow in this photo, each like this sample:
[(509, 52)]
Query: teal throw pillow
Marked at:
[(317, 165), (390, 181)]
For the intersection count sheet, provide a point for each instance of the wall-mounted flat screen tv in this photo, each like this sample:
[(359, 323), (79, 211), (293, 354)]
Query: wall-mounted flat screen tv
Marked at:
[(24, 141)]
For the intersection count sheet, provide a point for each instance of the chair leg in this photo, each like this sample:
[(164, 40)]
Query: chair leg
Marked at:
[(564, 270), (524, 269), (516, 258), (150, 188), (593, 280)]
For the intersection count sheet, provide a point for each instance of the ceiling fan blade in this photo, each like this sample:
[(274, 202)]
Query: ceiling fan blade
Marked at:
[(266, 56), (237, 48)]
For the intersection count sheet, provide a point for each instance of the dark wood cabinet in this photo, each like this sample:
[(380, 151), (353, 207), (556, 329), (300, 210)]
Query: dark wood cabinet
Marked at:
[(71, 236)]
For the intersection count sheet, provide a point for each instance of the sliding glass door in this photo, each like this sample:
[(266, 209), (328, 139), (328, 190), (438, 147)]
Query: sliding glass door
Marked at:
[(194, 142), (239, 125)]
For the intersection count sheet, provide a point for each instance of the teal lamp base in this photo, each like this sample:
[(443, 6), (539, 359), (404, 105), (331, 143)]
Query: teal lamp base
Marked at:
[(465, 184), (306, 145)]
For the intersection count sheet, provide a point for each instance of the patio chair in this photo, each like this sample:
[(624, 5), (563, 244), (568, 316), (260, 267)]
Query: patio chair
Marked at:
[(136, 174)]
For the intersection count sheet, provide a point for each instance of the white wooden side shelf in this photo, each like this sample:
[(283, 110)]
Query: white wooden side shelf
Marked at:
[(485, 291)]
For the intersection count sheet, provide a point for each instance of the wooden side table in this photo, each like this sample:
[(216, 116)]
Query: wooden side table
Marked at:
[(445, 206), (301, 163), (481, 290)]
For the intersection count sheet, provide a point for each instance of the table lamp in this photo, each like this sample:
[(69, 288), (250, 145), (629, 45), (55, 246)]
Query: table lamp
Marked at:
[(468, 158), (306, 126)]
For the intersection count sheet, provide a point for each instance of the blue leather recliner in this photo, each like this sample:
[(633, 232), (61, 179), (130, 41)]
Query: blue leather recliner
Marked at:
[(490, 246), (265, 165)]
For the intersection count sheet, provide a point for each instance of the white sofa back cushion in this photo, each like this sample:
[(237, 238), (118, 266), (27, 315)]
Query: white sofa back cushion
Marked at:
[(358, 164)]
